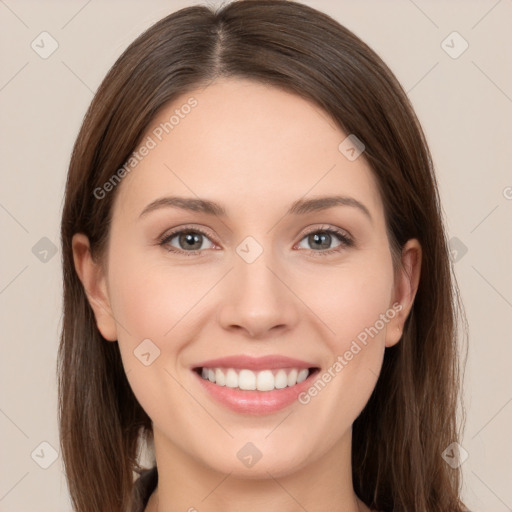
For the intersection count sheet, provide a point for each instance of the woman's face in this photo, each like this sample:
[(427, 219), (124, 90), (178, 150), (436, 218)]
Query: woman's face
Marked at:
[(248, 246)]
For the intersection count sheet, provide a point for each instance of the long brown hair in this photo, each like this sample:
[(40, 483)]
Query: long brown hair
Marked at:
[(410, 418)]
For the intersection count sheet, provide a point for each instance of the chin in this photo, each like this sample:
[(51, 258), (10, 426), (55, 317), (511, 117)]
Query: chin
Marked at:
[(254, 460)]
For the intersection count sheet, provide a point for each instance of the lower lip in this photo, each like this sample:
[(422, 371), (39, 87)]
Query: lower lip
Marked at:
[(255, 402)]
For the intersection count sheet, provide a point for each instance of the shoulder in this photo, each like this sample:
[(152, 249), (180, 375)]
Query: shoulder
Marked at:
[(143, 487)]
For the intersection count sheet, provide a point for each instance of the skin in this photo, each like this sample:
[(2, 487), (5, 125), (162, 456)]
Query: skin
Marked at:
[(254, 150)]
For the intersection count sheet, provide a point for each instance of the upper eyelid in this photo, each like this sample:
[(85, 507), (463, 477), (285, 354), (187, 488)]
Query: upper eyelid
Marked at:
[(325, 227), (176, 231)]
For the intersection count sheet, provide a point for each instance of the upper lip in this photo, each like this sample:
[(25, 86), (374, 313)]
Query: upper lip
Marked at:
[(269, 362)]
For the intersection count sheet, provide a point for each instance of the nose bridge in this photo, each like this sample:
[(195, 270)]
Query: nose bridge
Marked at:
[(256, 298), (254, 279)]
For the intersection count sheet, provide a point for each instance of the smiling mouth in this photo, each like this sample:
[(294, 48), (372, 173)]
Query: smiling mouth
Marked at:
[(249, 380)]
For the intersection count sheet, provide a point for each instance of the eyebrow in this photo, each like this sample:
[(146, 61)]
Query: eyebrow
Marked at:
[(299, 207)]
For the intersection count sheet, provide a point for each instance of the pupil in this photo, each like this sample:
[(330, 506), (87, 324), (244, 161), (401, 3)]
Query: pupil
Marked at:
[(190, 239), (324, 239)]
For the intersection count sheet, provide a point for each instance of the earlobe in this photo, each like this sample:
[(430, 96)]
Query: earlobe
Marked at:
[(406, 286), (94, 282)]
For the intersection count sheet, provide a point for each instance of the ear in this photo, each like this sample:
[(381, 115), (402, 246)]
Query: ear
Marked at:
[(406, 286), (92, 276)]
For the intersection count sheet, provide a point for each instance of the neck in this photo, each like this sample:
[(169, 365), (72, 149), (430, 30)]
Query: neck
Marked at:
[(184, 484)]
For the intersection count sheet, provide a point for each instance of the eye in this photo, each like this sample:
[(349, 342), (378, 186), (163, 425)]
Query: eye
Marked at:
[(188, 240), (322, 240), (191, 241)]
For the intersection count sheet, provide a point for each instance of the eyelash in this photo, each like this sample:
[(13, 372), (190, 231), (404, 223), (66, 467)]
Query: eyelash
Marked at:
[(344, 239)]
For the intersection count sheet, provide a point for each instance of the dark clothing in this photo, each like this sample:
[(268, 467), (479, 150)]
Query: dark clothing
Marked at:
[(143, 488)]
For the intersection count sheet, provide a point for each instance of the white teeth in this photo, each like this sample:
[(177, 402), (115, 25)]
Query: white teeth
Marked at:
[(281, 380), (220, 379), (303, 375), (292, 377), (231, 379), (265, 380), (247, 380)]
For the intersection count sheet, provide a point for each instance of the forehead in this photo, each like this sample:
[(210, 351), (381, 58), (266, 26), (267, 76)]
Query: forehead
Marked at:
[(239, 142)]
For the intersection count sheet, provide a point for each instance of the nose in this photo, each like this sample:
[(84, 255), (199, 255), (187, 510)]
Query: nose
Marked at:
[(257, 300)]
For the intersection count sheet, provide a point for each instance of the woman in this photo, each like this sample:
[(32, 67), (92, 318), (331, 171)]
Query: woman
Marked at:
[(256, 277)]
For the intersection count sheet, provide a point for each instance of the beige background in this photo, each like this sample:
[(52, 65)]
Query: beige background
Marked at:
[(465, 107)]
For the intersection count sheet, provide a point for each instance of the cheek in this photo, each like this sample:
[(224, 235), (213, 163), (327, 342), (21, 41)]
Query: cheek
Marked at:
[(356, 312), (161, 303), (353, 298), (153, 302), (151, 299), (348, 302)]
